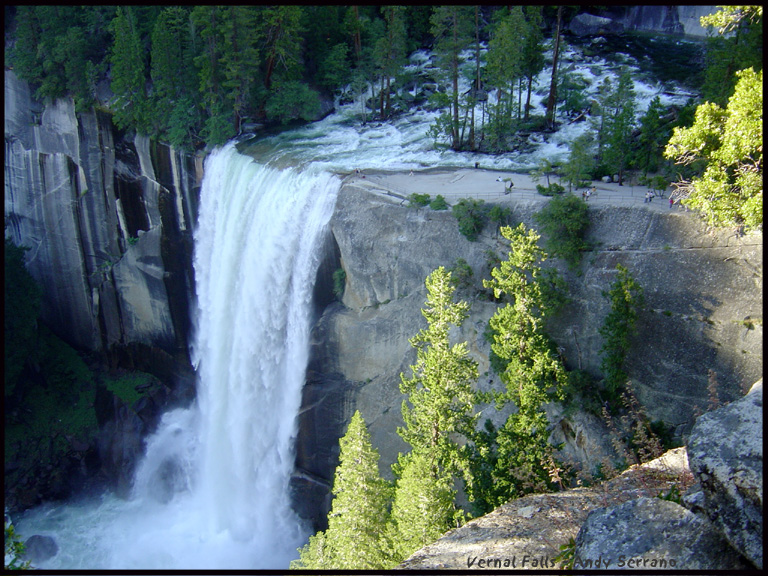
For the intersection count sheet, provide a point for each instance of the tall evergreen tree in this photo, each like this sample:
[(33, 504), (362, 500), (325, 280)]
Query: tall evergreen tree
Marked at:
[(552, 98), (534, 375), (390, 53), (533, 54), (652, 138), (452, 28), (726, 147), (240, 59), (355, 538), (505, 65), (440, 389), (128, 73), (626, 297), (423, 508), (619, 125)]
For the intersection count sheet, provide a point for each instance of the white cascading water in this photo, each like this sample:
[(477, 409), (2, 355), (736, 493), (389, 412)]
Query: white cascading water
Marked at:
[(212, 488)]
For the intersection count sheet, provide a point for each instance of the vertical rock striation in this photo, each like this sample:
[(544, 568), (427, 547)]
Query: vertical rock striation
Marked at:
[(108, 220)]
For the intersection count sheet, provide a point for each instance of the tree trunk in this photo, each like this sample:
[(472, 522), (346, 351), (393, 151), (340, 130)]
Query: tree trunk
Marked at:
[(455, 72), (528, 98), (553, 85)]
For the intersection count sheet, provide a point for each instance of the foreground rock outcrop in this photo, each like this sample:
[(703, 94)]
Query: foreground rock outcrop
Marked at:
[(726, 455), (638, 519)]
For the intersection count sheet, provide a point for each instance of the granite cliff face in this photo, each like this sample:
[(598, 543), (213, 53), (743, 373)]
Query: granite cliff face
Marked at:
[(108, 221), (674, 20), (703, 312)]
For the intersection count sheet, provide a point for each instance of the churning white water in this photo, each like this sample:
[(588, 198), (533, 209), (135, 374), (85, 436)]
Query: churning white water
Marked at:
[(212, 489)]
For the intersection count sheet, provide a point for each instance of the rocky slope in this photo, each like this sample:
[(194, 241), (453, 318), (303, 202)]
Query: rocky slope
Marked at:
[(703, 312)]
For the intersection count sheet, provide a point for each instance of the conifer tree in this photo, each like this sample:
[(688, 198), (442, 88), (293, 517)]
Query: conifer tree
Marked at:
[(128, 72), (423, 508), (355, 538), (452, 29), (626, 297), (619, 123), (440, 389), (727, 147), (534, 375)]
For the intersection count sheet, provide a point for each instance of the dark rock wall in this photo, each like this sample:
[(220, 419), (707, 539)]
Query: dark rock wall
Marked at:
[(108, 220)]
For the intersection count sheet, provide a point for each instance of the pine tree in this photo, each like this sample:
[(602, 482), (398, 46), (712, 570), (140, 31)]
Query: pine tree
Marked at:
[(727, 144), (626, 297), (505, 67), (452, 29), (355, 538), (533, 55), (440, 390), (128, 73), (619, 124), (533, 376), (652, 137), (423, 508)]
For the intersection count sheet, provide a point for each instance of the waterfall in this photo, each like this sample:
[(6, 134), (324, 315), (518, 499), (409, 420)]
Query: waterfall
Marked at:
[(256, 257), (212, 488)]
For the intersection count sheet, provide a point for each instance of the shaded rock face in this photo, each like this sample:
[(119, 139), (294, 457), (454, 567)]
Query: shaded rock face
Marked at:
[(653, 533), (674, 20), (699, 287), (108, 221), (726, 454)]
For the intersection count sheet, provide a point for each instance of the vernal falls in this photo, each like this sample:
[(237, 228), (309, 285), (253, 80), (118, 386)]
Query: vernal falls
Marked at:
[(212, 489)]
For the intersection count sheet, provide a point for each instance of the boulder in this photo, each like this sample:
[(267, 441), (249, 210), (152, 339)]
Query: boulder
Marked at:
[(725, 450), (38, 548), (650, 533), (588, 25)]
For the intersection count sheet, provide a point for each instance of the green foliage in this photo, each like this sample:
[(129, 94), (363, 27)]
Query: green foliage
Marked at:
[(339, 282), (462, 275), (499, 215), (470, 214), (727, 145), (737, 46), (626, 297), (618, 109), (565, 220), (521, 460), (418, 200), (129, 386), (128, 73), (14, 550), (22, 307), (357, 521), (580, 164), (582, 392), (552, 189), (423, 508), (440, 396), (451, 28), (334, 69), (293, 100), (439, 203), (653, 137)]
